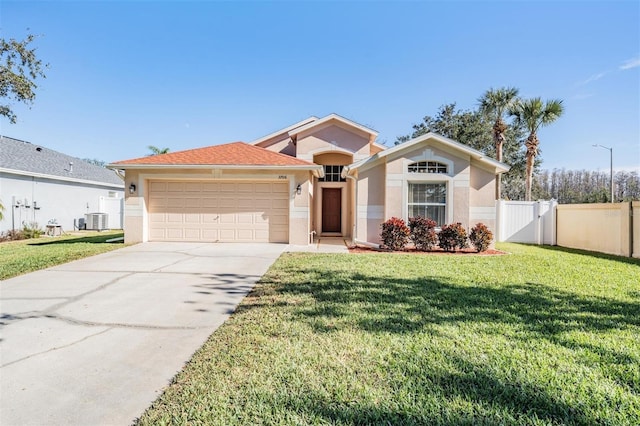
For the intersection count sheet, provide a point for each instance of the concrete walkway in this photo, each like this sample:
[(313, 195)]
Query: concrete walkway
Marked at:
[(323, 245), (95, 341)]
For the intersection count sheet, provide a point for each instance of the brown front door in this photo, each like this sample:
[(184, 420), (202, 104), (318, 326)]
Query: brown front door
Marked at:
[(331, 209)]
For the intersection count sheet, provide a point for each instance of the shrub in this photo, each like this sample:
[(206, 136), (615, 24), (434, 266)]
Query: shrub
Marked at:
[(423, 233), (395, 234), (12, 235), (32, 230), (452, 236), (480, 237)]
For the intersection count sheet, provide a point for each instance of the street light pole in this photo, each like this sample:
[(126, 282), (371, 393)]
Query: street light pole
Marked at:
[(610, 165)]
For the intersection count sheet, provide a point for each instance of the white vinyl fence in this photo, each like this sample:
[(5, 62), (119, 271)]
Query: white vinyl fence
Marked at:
[(532, 222)]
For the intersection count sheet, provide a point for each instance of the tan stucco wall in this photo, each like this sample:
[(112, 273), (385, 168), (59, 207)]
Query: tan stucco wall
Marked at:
[(482, 205), (598, 227), (370, 204), (331, 137)]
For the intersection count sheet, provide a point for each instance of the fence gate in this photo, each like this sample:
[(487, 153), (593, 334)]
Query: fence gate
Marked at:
[(530, 222)]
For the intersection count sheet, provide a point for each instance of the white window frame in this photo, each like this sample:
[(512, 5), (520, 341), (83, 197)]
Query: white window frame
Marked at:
[(409, 183), (413, 177)]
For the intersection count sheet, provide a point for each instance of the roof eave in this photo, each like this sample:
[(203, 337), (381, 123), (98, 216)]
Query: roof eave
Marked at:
[(61, 178), (285, 130), (214, 166)]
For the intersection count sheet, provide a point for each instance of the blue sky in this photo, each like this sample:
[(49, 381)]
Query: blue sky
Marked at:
[(125, 75)]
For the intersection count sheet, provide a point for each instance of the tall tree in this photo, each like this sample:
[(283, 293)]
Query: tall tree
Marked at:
[(19, 69), (495, 104), (472, 128), (533, 114), (157, 151)]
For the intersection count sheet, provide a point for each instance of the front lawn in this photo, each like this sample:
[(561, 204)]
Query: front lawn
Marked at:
[(20, 257), (540, 336)]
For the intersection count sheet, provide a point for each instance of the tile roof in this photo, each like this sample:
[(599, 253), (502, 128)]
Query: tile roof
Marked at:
[(28, 158), (232, 154)]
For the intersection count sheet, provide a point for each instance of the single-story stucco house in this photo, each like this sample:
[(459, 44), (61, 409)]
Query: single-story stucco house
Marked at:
[(318, 177), (39, 185)]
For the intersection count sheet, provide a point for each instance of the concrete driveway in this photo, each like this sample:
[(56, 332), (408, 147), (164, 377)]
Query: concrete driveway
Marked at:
[(95, 341)]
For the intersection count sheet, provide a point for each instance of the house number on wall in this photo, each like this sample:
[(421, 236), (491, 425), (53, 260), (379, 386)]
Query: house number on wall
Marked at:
[(282, 176)]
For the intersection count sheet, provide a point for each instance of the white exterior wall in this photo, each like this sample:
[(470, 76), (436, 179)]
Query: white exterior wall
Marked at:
[(49, 199)]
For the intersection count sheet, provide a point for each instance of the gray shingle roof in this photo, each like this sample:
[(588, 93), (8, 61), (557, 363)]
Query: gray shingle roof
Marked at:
[(27, 157)]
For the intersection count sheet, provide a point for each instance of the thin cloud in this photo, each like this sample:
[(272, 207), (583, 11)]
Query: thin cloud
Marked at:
[(631, 63), (593, 78)]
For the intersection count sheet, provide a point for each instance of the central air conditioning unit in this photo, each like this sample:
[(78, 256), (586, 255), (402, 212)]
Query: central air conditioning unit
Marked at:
[(96, 221)]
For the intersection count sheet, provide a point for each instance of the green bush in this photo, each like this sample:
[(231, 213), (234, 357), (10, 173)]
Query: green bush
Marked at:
[(423, 233), (395, 234), (32, 230), (452, 236), (481, 237)]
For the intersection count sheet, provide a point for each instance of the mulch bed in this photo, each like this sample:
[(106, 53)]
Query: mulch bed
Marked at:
[(433, 252)]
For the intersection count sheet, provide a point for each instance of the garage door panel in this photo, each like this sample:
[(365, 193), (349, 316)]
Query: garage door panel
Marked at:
[(226, 203), (192, 218), (278, 220), (246, 203), (209, 218), (210, 235), (158, 186), (193, 187), (245, 219), (175, 202), (280, 188), (192, 234), (175, 218), (210, 202), (263, 188), (245, 234), (210, 187), (192, 202), (280, 204), (218, 211), (228, 187), (175, 186), (246, 187)]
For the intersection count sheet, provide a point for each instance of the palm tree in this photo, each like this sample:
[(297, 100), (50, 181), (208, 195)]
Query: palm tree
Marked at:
[(157, 151), (533, 114), (495, 103)]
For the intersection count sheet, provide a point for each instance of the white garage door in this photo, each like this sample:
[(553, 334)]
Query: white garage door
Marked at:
[(219, 211)]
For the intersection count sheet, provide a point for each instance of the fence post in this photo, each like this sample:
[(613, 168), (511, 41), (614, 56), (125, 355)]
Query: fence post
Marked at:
[(553, 211), (537, 219), (499, 220)]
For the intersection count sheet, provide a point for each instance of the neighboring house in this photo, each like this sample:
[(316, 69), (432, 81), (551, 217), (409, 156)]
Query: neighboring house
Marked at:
[(319, 177), (41, 185)]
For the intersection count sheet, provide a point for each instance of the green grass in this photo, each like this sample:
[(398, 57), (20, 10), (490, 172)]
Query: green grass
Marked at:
[(20, 257), (540, 336)]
